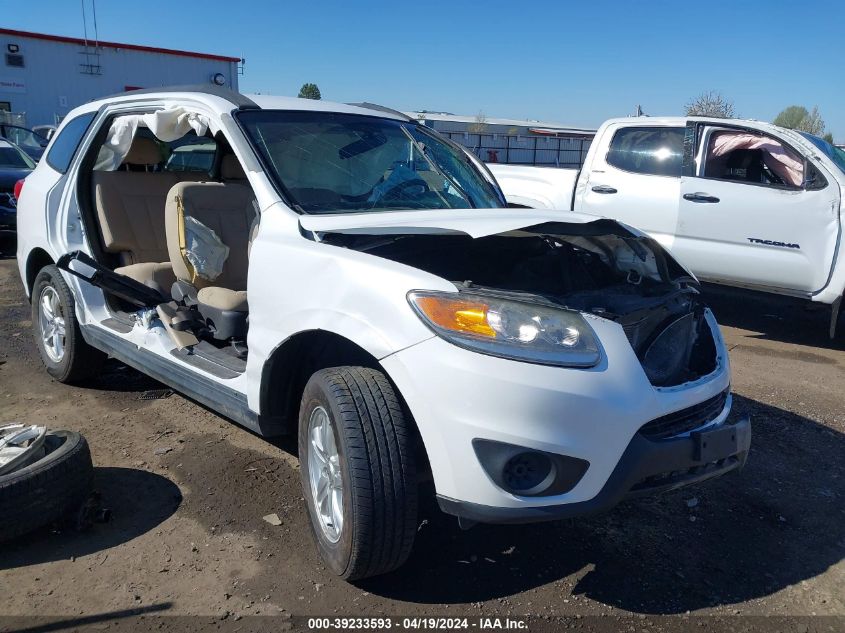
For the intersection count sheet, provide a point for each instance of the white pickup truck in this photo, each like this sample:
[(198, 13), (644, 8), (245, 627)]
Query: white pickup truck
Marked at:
[(741, 203)]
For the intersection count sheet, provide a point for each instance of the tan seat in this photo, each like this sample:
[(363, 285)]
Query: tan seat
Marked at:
[(130, 210), (158, 276), (227, 209)]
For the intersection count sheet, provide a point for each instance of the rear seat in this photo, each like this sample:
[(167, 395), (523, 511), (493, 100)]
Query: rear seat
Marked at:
[(130, 210)]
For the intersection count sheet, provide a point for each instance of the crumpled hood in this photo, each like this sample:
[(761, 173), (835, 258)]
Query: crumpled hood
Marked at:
[(473, 222)]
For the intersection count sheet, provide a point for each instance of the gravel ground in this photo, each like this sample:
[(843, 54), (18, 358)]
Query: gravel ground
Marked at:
[(188, 491)]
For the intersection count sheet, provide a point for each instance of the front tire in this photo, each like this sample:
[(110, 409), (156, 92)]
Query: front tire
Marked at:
[(358, 471), (66, 355)]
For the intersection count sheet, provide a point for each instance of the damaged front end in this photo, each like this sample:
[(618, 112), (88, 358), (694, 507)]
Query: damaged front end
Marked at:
[(598, 267)]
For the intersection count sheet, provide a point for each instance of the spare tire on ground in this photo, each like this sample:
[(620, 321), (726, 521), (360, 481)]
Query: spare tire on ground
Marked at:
[(48, 489)]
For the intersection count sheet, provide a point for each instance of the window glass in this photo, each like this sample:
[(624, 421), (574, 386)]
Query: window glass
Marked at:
[(22, 137), (14, 158), (189, 153), (195, 154), (65, 144), (836, 154), (748, 157), (658, 151), (327, 162)]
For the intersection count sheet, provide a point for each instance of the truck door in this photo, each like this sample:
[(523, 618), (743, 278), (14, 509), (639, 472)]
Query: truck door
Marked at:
[(754, 211), (637, 180)]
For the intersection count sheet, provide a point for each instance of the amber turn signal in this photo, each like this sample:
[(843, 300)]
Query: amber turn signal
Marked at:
[(455, 314)]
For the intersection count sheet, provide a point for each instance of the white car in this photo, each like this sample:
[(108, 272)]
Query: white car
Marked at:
[(344, 273), (741, 203)]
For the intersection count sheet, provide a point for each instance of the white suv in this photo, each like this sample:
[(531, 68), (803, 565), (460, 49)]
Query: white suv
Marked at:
[(344, 273)]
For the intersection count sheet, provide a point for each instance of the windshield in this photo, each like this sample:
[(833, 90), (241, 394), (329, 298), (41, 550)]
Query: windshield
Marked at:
[(13, 157), (25, 138), (326, 162), (833, 153)]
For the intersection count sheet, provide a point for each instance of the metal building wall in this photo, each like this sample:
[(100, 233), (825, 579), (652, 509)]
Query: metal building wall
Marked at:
[(52, 81), (517, 144)]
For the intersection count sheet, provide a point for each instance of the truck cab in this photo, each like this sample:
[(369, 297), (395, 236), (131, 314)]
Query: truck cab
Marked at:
[(739, 202)]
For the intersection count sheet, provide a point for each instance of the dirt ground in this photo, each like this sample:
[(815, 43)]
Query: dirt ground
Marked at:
[(188, 491)]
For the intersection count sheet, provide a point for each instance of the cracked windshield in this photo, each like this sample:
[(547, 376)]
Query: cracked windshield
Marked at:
[(333, 163)]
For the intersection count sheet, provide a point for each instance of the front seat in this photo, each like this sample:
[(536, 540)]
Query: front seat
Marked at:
[(227, 209)]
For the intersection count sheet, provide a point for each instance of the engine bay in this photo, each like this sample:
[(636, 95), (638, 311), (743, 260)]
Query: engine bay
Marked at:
[(597, 268)]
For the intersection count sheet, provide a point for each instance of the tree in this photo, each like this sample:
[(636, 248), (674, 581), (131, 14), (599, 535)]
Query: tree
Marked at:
[(310, 91), (480, 124), (799, 118), (711, 103), (828, 137)]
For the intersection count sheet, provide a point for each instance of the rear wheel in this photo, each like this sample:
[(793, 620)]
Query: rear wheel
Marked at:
[(66, 355), (358, 471)]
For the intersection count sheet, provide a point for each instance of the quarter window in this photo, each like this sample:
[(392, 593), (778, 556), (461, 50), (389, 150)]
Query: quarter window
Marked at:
[(65, 144), (658, 151)]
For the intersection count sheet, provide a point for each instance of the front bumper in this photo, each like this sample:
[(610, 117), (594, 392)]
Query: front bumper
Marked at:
[(646, 467), (457, 397)]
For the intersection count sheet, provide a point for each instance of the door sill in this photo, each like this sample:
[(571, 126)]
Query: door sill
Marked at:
[(222, 399)]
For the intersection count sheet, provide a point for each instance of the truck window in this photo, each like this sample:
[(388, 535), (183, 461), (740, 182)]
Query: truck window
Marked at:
[(748, 157), (658, 151)]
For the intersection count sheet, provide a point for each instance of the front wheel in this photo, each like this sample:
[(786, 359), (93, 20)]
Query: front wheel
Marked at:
[(66, 355), (358, 471)]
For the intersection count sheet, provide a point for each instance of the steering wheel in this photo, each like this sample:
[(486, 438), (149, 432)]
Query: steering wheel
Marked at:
[(398, 190)]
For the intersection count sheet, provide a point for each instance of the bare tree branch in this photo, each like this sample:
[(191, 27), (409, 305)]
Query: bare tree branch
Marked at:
[(711, 103)]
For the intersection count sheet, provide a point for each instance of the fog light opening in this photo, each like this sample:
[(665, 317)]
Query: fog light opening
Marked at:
[(528, 473)]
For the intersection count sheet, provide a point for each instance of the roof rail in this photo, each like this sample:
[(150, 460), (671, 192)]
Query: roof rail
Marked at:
[(381, 108), (236, 98)]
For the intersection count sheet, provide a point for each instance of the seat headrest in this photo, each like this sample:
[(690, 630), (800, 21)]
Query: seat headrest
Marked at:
[(143, 151), (230, 168)]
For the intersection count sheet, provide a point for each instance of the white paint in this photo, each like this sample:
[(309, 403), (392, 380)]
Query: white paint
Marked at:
[(297, 284), (711, 239)]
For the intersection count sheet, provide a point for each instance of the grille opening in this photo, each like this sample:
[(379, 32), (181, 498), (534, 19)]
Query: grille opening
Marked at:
[(685, 420)]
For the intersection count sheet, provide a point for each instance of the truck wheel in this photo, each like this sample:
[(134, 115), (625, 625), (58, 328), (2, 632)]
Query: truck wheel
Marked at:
[(65, 353), (48, 489), (358, 471)]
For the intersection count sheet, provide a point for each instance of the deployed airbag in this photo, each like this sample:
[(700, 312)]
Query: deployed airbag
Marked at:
[(166, 125), (204, 250)]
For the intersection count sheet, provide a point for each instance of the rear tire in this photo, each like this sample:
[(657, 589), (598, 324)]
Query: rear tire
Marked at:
[(66, 355), (369, 457), (49, 489)]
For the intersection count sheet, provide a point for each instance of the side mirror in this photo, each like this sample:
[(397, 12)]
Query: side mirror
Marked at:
[(813, 178)]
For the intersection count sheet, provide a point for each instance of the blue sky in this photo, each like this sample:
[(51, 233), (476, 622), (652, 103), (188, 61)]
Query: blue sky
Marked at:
[(575, 63)]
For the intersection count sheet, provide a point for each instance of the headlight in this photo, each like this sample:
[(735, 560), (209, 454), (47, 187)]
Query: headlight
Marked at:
[(510, 329)]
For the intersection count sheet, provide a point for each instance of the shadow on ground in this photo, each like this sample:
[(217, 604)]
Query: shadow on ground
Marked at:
[(115, 376), (749, 534), (774, 317), (139, 501)]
